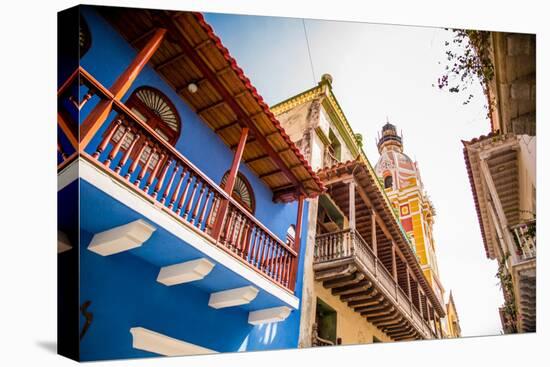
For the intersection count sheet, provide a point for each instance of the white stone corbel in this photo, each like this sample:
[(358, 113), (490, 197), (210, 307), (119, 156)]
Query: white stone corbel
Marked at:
[(121, 238), (233, 297), (151, 341), (268, 315), (185, 272)]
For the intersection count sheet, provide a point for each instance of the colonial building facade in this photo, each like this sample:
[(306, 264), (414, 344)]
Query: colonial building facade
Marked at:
[(501, 168), (181, 197), (362, 280)]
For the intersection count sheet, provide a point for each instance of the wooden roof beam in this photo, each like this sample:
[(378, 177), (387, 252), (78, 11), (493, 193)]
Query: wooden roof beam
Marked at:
[(406, 334), (227, 126), (350, 279), (383, 306), (170, 61), (380, 312), (175, 29), (250, 139), (386, 321), (143, 36), (366, 302), (263, 156), (270, 173), (203, 44), (365, 297), (210, 107), (394, 314), (406, 327), (352, 288), (400, 325)]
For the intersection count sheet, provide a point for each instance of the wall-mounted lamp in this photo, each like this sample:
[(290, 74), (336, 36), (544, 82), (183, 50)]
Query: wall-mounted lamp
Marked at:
[(192, 88)]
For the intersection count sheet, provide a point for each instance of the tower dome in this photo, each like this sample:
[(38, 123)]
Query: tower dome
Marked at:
[(396, 169), (389, 138)]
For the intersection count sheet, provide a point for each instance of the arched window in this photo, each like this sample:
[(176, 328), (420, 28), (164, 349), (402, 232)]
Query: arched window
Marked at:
[(388, 182), (155, 109), (242, 191), (84, 37)]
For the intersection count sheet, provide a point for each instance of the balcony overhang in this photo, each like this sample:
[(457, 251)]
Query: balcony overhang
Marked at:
[(173, 243), (526, 294), (344, 263), (371, 197), (224, 98), (497, 155)]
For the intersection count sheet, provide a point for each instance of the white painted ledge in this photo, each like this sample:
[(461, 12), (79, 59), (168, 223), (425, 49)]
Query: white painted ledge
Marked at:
[(233, 297), (268, 315), (151, 341), (113, 188), (185, 272), (63, 243), (121, 238)]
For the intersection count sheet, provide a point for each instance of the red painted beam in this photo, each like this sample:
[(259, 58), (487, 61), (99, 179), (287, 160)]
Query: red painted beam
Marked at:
[(297, 240), (230, 183), (98, 115)]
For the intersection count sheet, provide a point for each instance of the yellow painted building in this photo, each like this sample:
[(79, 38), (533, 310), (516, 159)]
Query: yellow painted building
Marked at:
[(377, 292), (403, 185)]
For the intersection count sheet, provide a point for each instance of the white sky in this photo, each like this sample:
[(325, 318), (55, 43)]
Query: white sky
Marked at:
[(379, 71)]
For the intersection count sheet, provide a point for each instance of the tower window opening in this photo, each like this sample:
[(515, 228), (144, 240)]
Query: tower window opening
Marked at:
[(388, 182)]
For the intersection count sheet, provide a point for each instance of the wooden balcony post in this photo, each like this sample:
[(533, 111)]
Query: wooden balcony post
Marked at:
[(421, 306), (393, 261), (98, 115), (297, 240), (409, 282), (230, 183), (373, 233), (351, 197)]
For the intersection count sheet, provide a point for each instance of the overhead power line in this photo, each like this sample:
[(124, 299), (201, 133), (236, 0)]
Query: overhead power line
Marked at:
[(309, 52)]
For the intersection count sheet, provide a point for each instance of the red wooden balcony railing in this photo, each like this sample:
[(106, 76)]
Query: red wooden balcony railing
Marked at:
[(135, 155), (67, 136)]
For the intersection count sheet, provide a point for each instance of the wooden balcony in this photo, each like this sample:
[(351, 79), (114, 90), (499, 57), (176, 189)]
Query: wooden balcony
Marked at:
[(345, 263), (524, 275), (140, 160), (524, 235)]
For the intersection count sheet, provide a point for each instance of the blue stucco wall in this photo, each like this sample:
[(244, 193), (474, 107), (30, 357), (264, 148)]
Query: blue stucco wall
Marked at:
[(122, 287), (124, 294)]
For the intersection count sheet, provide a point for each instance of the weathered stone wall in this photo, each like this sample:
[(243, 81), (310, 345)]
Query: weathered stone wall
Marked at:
[(351, 327), (300, 124), (515, 79)]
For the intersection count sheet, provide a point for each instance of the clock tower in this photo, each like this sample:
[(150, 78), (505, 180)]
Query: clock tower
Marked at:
[(403, 186)]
